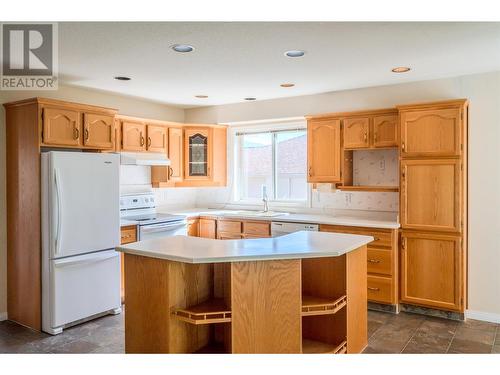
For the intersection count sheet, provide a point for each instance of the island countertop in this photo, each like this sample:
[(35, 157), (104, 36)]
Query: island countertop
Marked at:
[(297, 245)]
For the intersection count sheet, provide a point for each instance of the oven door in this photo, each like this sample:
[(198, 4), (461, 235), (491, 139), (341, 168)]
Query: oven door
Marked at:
[(147, 232)]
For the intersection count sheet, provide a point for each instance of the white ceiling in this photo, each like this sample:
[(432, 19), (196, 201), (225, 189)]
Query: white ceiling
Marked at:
[(232, 61)]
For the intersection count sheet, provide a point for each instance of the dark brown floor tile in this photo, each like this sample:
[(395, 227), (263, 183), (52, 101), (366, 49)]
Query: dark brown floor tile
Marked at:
[(79, 346), (479, 325), (428, 343), (371, 350), (467, 346), (378, 316), (111, 349), (474, 335), (373, 326), (438, 326)]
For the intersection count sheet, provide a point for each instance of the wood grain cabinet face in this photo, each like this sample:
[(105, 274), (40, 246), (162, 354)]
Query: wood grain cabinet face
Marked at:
[(431, 270), (356, 132), (324, 151), (157, 138), (207, 228), (431, 194), (61, 127), (98, 131), (385, 131), (175, 153), (133, 136), (435, 132), (193, 227)]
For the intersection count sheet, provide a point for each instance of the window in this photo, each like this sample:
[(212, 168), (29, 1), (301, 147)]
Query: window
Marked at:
[(275, 159)]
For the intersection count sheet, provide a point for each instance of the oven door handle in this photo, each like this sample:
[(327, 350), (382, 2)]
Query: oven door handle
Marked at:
[(162, 227)]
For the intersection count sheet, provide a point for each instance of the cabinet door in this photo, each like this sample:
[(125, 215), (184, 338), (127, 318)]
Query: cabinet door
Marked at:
[(157, 138), (198, 153), (431, 194), (61, 127), (385, 131), (133, 136), (432, 270), (98, 131), (323, 150), (356, 132), (175, 153), (207, 228), (193, 226), (431, 133)]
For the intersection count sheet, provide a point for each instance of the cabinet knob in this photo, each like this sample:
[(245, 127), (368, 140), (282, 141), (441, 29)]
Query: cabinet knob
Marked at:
[(373, 261), (403, 147), (142, 140), (149, 141), (170, 172), (375, 137), (365, 136), (86, 134), (310, 171), (76, 133), (374, 289)]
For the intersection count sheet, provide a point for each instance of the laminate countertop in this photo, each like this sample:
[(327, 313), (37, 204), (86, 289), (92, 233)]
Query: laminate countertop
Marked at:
[(297, 245), (375, 220)]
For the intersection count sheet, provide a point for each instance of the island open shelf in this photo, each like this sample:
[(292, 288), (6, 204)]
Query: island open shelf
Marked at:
[(301, 304)]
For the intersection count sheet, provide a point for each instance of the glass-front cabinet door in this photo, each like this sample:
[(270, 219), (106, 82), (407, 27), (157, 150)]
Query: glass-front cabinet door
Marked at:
[(198, 149)]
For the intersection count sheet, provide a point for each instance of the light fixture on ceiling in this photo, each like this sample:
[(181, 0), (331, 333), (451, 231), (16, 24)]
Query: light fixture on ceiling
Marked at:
[(295, 53), (122, 78), (182, 48), (401, 69), (201, 96), (250, 98), (287, 84)]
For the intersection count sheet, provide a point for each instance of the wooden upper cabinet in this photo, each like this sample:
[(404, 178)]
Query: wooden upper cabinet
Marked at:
[(432, 270), (61, 127), (432, 132), (431, 194), (323, 150), (385, 131), (98, 131), (133, 136), (198, 153), (157, 138), (356, 132), (175, 154)]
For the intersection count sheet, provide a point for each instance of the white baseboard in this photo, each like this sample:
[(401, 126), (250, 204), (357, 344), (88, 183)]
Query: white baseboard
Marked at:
[(3, 316), (484, 316)]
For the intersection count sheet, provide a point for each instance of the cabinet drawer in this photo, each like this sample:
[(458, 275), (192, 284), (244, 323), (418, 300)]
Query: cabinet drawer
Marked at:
[(261, 229), (250, 236), (379, 261), (228, 236), (380, 289), (382, 238), (229, 226), (128, 235)]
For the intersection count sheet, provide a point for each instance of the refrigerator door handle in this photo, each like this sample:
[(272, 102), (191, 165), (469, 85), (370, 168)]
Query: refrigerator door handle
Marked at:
[(85, 259), (57, 183)]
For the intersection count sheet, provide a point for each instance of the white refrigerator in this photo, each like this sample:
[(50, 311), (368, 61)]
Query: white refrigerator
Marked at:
[(80, 230)]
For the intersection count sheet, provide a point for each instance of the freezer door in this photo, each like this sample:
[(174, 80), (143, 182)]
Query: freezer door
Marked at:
[(79, 287), (83, 195)]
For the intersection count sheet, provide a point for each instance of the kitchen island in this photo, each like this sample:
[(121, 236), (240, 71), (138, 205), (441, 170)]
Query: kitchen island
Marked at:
[(304, 292)]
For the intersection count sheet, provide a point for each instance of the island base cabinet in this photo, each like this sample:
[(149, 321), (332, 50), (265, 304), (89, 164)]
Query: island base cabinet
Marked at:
[(265, 306)]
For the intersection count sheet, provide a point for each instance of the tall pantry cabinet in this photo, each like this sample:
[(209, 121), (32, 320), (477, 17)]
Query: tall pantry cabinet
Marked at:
[(433, 181)]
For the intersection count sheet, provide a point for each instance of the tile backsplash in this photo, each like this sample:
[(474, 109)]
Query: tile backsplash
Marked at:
[(377, 167)]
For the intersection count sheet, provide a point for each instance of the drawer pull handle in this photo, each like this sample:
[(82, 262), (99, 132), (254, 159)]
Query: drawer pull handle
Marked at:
[(376, 239), (373, 260), (374, 289)]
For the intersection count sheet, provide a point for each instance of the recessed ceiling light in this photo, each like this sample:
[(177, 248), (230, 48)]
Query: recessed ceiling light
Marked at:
[(250, 98), (287, 84), (183, 48), (294, 53), (201, 96), (122, 78), (400, 69)]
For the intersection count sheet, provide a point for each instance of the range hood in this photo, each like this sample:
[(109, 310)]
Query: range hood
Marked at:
[(143, 158)]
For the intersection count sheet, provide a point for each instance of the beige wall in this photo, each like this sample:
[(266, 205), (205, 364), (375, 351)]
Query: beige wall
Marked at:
[(483, 90), (125, 105)]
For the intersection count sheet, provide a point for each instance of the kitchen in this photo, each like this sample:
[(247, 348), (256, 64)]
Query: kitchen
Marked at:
[(391, 168)]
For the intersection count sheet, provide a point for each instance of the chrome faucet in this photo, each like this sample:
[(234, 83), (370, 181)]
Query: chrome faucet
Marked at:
[(264, 198)]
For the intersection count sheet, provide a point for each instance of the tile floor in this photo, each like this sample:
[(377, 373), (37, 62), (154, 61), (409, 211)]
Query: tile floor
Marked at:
[(388, 333)]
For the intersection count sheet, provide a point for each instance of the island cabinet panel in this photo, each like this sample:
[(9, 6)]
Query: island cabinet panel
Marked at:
[(266, 306), (98, 131), (193, 227), (356, 132), (61, 127), (324, 150), (432, 270)]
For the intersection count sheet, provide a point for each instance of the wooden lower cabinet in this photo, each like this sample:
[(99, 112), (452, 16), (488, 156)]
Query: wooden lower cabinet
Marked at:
[(128, 234), (193, 227), (207, 228), (432, 270), (381, 259)]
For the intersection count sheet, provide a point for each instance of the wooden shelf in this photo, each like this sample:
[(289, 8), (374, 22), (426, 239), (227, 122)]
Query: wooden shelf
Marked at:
[(312, 305), (208, 312), (368, 188), (318, 347)]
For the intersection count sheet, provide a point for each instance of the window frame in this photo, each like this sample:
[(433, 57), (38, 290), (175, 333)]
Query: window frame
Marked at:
[(267, 127)]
